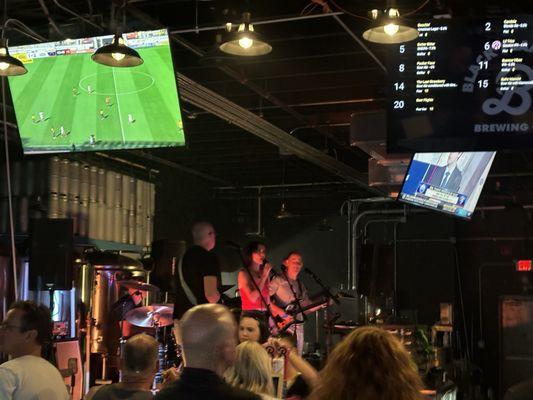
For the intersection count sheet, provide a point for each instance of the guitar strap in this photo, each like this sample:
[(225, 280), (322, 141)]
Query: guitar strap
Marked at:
[(298, 303), (186, 289)]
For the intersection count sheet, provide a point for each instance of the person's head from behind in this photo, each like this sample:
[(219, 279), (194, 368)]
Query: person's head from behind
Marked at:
[(253, 327), (209, 337), (254, 253), (204, 235), (252, 369), (139, 357), (293, 264), (26, 329), (369, 364)]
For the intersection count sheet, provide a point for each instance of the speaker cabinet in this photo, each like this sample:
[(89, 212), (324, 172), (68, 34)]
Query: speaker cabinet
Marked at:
[(51, 254)]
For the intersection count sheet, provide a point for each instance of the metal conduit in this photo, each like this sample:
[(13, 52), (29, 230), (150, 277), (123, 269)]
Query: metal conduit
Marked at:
[(208, 100)]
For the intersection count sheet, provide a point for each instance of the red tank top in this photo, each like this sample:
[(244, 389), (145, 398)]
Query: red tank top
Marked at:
[(249, 304)]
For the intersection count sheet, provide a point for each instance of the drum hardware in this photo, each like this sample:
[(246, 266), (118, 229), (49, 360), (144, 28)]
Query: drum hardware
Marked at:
[(137, 285)]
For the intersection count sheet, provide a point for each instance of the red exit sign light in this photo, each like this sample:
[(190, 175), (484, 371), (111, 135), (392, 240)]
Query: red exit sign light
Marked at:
[(523, 265)]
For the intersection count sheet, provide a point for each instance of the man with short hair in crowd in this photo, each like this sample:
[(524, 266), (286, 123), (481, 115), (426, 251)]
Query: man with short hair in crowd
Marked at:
[(209, 337), (24, 333), (138, 365)]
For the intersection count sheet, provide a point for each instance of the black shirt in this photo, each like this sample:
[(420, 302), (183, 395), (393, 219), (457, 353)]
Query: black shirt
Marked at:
[(195, 383), (115, 392), (197, 263)]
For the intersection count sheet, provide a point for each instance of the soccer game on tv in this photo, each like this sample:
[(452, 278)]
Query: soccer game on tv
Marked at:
[(67, 102)]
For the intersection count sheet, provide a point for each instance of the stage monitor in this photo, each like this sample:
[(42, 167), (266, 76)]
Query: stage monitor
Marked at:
[(465, 84), (446, 182), (67, 102)]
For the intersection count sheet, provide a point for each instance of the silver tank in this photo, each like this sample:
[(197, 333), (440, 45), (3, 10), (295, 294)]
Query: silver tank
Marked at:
[(99, 290)]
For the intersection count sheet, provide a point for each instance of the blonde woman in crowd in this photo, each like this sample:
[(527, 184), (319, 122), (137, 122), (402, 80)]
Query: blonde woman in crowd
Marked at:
[(252, 370)]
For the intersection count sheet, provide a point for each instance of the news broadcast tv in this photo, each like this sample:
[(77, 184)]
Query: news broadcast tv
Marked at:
[(67, 102), (462, 85), (447, 182)]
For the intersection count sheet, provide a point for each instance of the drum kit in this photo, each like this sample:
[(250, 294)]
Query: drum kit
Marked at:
[(157, 320)]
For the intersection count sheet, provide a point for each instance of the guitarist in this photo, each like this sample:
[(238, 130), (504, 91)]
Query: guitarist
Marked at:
[(286, 288)]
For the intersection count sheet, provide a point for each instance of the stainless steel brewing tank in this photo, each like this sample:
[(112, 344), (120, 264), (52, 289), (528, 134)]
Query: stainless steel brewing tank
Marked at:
[(107, 269)]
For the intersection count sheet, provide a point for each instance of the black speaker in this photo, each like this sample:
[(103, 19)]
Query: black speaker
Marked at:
[(166, 255), (51, 253)]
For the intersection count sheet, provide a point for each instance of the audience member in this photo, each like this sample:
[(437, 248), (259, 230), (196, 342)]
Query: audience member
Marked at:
[(253, 327), (209, 338), (252, 370), (138, 364), (369, 364), (24, 334), (301, 376)]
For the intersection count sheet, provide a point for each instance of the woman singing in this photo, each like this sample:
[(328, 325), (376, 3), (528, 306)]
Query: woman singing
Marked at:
[(254, 280)]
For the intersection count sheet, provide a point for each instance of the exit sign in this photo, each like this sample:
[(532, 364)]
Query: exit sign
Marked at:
[(523, 265)]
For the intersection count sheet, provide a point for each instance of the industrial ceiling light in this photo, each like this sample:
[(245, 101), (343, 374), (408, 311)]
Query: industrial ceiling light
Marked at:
[(245, 41), (388, 28), (283, 213), (9, 65), (117, 54)]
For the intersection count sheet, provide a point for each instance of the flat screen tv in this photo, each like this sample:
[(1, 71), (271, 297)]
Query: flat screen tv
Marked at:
[(465, 84), (446, 182), (67, 102)]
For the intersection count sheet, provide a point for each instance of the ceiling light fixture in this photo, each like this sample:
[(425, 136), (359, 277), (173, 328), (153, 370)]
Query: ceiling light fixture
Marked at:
[(388, 28), (283, 213), (245, 41), (9, 65), (117, 54)]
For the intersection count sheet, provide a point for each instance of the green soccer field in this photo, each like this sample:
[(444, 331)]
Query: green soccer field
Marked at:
[(71, 103)]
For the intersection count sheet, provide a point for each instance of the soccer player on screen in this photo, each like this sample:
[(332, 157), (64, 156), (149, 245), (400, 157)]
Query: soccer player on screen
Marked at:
[(92, 139), (101, 113), (53, 132), (41, 116), (89, 89), (74, 92), (131, 120), (34, 119), (108, 101)]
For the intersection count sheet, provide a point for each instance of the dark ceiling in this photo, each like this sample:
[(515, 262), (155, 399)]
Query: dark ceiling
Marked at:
[(317, 76)]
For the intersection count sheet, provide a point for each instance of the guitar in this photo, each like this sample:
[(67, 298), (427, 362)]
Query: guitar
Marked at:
[(292, 310)]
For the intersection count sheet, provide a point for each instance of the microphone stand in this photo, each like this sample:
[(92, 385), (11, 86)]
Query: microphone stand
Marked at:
[(325, 288)]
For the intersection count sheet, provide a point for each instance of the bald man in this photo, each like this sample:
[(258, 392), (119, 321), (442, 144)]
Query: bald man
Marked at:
[(139, 365), (209, 337), (198, 271)]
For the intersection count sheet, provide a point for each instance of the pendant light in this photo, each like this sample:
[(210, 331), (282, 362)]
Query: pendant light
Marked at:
[(388, 28), (117, 54), (9, 65), (245, 41)]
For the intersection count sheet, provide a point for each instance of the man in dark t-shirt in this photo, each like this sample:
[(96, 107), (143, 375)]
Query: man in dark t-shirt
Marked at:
[(198, 272)]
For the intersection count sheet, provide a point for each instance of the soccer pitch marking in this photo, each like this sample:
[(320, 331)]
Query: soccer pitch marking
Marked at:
[(112, 73), (118, 108)]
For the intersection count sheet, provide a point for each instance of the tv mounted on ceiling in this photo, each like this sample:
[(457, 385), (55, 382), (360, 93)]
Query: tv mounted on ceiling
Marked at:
[(67, 102), (446, 182)]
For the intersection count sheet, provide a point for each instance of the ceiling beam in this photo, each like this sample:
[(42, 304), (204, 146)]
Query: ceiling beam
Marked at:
[(201, 97)]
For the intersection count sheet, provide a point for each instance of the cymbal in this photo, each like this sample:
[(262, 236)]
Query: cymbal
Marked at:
[(150, 316), (142, 286)]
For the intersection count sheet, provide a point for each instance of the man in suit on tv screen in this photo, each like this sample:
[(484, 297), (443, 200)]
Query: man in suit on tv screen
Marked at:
[(448, 176)]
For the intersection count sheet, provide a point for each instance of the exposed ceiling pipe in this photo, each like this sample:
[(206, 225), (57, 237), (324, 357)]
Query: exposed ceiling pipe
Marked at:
[(360, 42), (208, 100), (256, 23)]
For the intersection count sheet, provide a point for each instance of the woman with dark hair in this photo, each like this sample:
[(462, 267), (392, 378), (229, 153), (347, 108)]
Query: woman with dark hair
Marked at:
[(369, 364), (253, 327)]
